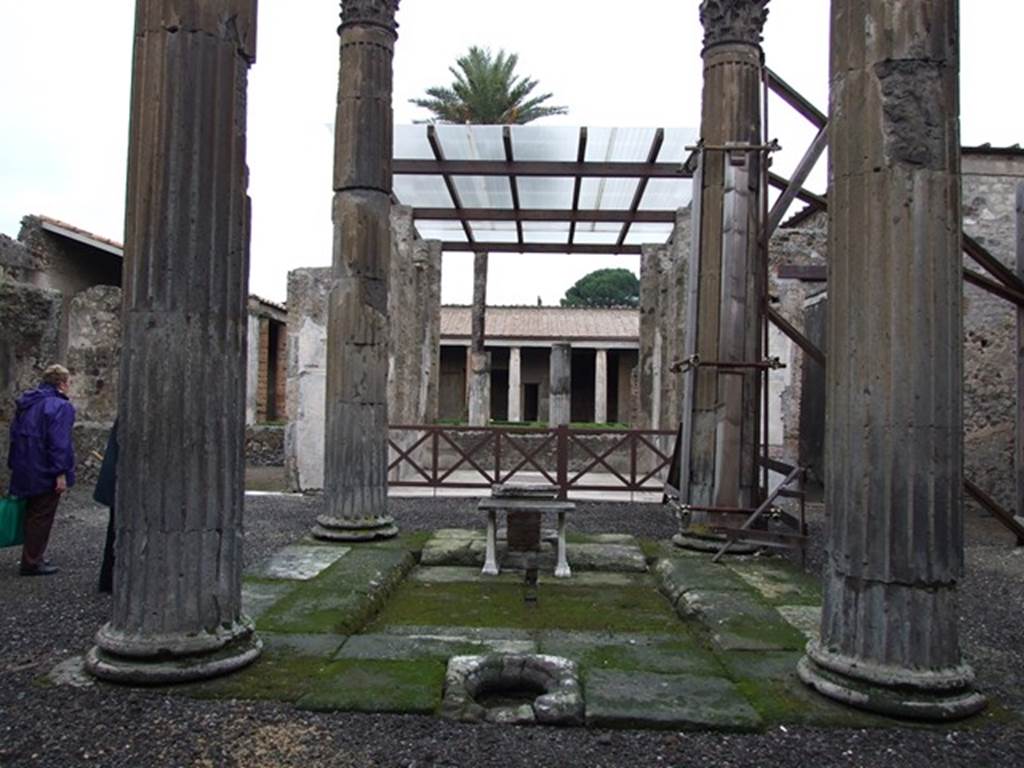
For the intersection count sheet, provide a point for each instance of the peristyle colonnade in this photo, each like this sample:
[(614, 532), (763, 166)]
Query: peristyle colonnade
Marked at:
[(889, 629)]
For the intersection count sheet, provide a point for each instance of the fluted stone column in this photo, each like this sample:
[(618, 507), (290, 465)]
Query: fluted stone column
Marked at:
[(177, 586), (601, 386), (723, 444), (560, 391), (515, 384), (893, 473), (355, 453), (479, 363)]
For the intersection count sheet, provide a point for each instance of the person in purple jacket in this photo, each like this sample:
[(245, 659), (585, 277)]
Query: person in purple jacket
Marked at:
[(42, 462)]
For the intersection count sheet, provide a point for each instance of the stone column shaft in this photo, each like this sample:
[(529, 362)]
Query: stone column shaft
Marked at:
[(560, 394), (177, 586), (355, 453), (724, 427), (479, 368), (601, 386), (515, 384), (894, 444)]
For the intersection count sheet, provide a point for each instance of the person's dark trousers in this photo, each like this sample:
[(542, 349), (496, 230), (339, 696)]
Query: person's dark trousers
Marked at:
[(39, 513), (107, 568)]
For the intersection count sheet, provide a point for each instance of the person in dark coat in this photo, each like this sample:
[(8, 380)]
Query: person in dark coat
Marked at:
[(42, 462), (105, 493)]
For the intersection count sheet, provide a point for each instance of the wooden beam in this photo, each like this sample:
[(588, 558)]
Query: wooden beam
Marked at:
[(796, 183), (798, 338), (581, 156), (506, 137), (607, 169), (544, 214), (641, 187), (568, 248), (453, 193), (791, 96)]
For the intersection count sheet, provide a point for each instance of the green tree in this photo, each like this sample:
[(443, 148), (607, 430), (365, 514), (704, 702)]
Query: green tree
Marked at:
[(604, 288), (487, 91)]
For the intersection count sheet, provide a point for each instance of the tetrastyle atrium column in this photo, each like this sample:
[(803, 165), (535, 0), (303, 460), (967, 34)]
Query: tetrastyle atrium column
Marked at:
[(515, 384), (894, 446), (177, 586), (723, 443), (355, 454), (601, 386), (479, 364), (560, 389)]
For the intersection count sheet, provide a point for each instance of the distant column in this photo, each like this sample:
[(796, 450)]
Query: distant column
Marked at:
[(177, 586), (559, 397), (515, 384), (894, 440), (355, 454), (601, 387), (479, 369)]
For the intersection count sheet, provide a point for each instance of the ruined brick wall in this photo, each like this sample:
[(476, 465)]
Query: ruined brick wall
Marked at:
[(414, 309), (989, 190), (94, 352), (663, 276)]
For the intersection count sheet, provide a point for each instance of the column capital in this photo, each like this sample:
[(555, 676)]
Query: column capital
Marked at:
[(733, 21), (379, 13)]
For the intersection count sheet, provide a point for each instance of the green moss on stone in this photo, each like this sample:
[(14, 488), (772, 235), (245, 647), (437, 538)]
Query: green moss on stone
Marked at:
[(638, 608), (361, 685), (342, 598)]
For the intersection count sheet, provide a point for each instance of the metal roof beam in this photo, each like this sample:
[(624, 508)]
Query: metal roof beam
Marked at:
[(615, 215), (641, 187), (607, 169), (568, 248)]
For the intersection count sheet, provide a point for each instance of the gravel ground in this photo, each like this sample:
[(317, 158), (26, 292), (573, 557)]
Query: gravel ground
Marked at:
[(44, 621)]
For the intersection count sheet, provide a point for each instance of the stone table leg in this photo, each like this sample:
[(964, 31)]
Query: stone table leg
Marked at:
[(491, 559), (562, 570)]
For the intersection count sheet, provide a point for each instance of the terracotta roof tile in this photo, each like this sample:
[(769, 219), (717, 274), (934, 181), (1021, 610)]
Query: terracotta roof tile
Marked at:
[(555, 323)]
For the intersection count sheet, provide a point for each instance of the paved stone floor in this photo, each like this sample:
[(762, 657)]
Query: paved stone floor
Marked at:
[(662, 638)]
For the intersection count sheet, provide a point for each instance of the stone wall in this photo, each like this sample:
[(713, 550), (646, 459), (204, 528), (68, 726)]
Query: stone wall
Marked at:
[(990, 342), (264, 445), (94, 352), (663, 280), (414, 309)]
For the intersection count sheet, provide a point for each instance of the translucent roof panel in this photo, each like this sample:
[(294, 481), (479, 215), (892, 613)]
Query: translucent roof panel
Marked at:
[(483, 191), (471, 142), (422, 191), (541, 142), (621, 144), (603, 194), (546, 192), (666, 194), (480, 175)]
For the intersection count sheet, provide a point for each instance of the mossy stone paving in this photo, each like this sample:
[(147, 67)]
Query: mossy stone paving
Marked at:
[(689, 645)]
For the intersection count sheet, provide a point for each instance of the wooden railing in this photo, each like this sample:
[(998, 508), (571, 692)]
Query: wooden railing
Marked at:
[(606, 460)]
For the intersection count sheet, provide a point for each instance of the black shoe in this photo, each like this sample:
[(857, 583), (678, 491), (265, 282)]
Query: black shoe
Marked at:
[(40, 570)]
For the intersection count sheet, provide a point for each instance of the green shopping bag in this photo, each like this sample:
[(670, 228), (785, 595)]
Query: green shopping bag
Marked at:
[(12, 521)]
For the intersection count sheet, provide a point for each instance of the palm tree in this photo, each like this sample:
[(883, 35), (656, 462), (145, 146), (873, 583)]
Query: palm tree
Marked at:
[(486, 90)]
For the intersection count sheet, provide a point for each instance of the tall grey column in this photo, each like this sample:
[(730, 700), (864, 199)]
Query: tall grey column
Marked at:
[(560, 394), (723, 442), (894, 446), (479, 368), (601, 386), (355, 454), (515, 384), (177, 586)]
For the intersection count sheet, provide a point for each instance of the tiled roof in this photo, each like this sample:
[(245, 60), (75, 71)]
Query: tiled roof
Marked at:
[(555, 323)]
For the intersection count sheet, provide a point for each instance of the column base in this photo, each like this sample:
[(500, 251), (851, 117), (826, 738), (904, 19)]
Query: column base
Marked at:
[(171, 665), (706, 542), (939, 695), (330, 528)]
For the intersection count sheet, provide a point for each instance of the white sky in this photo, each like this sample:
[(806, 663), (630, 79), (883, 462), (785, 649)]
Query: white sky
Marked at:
[(65, 68)]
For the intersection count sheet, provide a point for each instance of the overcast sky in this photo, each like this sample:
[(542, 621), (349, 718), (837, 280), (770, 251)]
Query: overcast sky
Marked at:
[(65, 68)]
